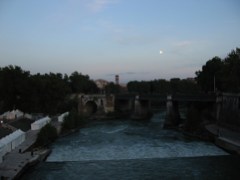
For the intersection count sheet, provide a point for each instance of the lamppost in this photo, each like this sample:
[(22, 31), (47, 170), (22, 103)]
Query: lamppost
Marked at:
[(214, 84)]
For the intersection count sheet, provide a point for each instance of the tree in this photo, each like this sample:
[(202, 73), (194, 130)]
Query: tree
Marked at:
[(44, 93), (210, 74), (231, 71), (72, 121), (188, 86), (14, 87), (162, 86), (175, 85), (225, 73), (112, 88), (142, 87), (48, 93), (46, 135), (82, 84)]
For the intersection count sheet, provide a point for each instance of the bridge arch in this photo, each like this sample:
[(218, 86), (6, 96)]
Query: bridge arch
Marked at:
[(90, 107)]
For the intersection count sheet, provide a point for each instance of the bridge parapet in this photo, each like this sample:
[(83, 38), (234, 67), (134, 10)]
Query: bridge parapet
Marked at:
[(153, 97), (175, 97), (194, 97), (125, 96)]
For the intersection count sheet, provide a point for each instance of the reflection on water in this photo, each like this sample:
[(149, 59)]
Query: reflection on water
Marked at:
[(133, 150)]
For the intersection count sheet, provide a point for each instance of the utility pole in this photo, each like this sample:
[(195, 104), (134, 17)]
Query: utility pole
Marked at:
[(214, 84)]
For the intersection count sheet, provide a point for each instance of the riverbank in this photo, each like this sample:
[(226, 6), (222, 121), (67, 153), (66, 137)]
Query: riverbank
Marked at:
[(222, 137), (225, 138), (12, 169), (18, 160)]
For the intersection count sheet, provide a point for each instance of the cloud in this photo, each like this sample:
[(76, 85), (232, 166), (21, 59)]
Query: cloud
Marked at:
[(110, 27), (125, 35), (98, 5), (183, 48), (182, 43), (132, 39)]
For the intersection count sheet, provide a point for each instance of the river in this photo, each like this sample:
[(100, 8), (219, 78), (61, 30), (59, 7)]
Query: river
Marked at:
[(125, 149)]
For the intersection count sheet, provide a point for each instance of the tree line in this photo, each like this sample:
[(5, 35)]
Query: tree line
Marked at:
[(45, 93), (162, 86), (221, 74)]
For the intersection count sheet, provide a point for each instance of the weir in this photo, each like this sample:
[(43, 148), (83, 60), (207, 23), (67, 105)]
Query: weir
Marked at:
[(132, 150)]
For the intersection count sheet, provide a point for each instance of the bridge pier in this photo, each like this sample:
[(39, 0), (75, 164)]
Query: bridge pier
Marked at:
[(109, 104), (124, 107), (80, 105), (172, 113), (141, 109), (137, 106)]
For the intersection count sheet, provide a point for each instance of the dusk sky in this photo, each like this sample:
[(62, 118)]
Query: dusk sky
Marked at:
[(137, 39)]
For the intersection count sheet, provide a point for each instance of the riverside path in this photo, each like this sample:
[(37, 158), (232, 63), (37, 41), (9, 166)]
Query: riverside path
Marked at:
[(14, 162)]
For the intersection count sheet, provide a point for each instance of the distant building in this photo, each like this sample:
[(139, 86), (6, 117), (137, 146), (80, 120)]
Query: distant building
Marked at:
[(40, 123), (28, 116), (10, 115), (101, 84)]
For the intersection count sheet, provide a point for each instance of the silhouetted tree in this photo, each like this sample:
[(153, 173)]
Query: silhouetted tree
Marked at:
[(14, 87), (40, 93), (73, 120), (82, 84), (212, 70), (226, 73), (231, 72), (112, 88), (163, 86), (142, 87), (46, 135)]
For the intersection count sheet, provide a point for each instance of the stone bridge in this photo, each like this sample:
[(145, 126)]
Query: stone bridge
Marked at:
[(140, 106), (96, 103)]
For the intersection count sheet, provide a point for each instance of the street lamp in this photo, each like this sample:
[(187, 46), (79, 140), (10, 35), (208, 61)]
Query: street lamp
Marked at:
[(214, 84)]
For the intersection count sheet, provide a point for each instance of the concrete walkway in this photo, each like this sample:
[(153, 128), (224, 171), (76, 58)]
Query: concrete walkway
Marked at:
[(14, 162), (31, 137), (225, 138)]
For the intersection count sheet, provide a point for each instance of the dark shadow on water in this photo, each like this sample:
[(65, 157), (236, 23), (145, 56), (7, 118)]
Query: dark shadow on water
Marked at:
[(207, 167)]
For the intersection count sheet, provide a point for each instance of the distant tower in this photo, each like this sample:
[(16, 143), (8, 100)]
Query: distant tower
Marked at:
[(117, 79)]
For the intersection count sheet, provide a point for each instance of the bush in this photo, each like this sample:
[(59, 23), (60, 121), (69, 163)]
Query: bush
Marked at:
[(72, 121), (46, 135)]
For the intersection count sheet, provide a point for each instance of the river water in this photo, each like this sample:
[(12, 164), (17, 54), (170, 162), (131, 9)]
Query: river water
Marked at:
[(125, 149)]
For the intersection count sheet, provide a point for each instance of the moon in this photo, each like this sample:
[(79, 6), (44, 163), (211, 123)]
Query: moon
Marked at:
[(161, 52)]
